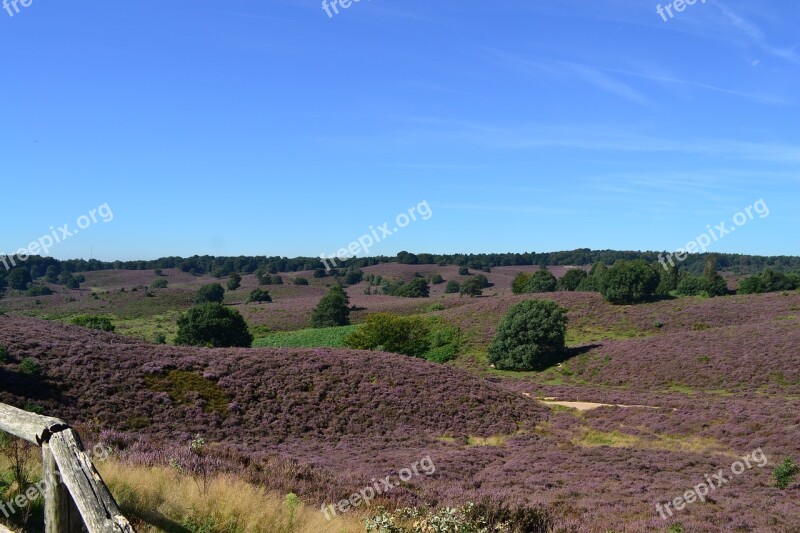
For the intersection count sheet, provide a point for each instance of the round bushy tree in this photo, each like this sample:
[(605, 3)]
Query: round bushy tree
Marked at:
[(453, 287), (542, 281), (333, 310), (259, 295), (629, 282), (18, 279), (213, 325), (234, 281), (572, 279), (409, 335), (472, 287), (530, 337), (211, 293)]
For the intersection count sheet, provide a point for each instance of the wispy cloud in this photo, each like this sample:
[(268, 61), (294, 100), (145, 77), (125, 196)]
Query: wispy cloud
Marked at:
[(756, 35)]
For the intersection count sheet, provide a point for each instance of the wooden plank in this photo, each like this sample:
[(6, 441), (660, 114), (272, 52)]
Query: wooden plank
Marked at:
[(28, 426), (91, 496), (60, 514), (3, 529)]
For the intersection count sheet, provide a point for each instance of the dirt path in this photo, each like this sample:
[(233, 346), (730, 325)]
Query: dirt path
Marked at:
[(586, 406)]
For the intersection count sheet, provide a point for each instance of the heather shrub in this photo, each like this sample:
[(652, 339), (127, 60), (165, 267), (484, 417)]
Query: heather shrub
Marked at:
[(160, 283), (213, 325), (211, 293), (101, 323), (259, 295), (785, 473), (530, 337), (183, 386), (453, 287), (572, 279), (333, 309), (409, 335), (30, 367), (629, 282)]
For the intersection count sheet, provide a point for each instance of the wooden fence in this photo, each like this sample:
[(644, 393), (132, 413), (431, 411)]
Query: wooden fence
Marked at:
[(75, 496)]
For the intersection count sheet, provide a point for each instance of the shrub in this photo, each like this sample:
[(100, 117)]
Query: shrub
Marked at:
[(463, 271), (333, 310), (234, 281), (101, 323), (3, 354), (277, 280), (211, 293), (213, 325), (30, 367), (39, 290), (19, 278), (530, 337), (596, 276), (353, 277), (693, 286), (542, 281), (452, 287), (300, 281), (319, 273), (572, 279), (437, 279), (520, 283), (259, 295), (407, 335), (160, 338), (472, 287), (785, 473), (629, 282), (416, 288), (751, 285), (160, 283)]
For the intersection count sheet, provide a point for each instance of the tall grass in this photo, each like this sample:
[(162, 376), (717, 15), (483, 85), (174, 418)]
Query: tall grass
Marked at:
[(306, 338), (161, 499)]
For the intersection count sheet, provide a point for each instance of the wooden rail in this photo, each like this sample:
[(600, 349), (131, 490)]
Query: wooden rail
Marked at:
[(74, 493)]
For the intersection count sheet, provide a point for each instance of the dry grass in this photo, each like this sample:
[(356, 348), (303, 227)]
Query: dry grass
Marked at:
[(160, 499), (616, 439)]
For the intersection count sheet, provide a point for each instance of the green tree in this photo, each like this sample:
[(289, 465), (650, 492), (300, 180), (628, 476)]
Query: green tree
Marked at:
[(785, 473), (751, 285), (234, 281), (453, 287), (259, 295), (51, 274), (19, 279), (472, 287), (353, 277), (213, 325), (437, 279), (416, 288), (520, 283), (333, 310), (160, 283), (717, 286), (596, 276), (463, 271), (319, 273), (629, 282), (530, 337), (409, 335), (572, 279), (211, 293), (542, 281)]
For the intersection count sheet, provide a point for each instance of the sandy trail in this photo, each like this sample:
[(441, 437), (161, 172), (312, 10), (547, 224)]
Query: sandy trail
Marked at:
[(586, 406)]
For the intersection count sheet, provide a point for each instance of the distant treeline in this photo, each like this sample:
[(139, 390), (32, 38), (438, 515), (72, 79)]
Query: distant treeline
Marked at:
[(224, 266)]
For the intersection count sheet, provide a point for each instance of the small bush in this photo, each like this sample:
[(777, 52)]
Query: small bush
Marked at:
[(160, 338), (530, 337), (785, 473), (39, 290), (407, 335), (453, 287), (234, 281), (416, 288), (160, 283), (333, 310), (101, 323), (463, 271), (300, 281), (30, 367), (4, 355), (472, 287), (437, 279), (211, 293), (259, 295), (213, 325), (629, 282), (572, 279)]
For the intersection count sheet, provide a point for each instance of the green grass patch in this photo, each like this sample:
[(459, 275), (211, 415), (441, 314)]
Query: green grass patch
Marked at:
[(179, 383), (306, 338)]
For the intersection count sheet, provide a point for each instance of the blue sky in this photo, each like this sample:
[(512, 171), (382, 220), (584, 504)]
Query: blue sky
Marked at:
[(269, 128)]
